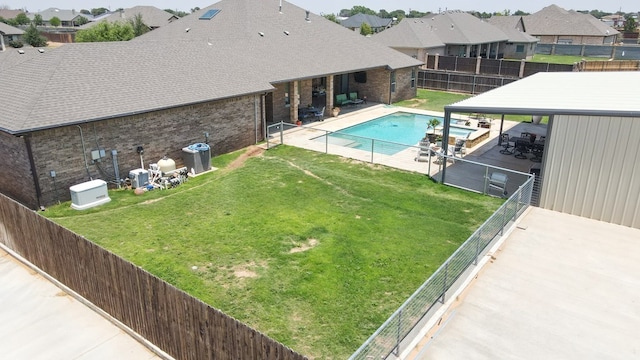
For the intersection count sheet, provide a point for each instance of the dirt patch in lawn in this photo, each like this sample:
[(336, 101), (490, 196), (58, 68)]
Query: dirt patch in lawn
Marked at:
[(304, 247), (251, 151)]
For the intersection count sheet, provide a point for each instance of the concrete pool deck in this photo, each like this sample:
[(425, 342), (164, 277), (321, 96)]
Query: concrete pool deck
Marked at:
[(303, 137)]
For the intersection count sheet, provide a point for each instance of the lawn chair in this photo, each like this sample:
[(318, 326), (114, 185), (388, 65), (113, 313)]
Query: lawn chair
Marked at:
[(424, 151), (460, 147), (353, 97), (341, 100), (497, 181)]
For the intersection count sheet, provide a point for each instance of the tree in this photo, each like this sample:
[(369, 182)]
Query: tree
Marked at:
[(365, 29), (85, 11), (32, 37), (332, 17), (81, 20), (177, 13), (37, 20), (106, 31), (138, 25), (358, 9), (22, 19), (195, 9), (55, 21), (630, 24), (99, 11), (520, 13)]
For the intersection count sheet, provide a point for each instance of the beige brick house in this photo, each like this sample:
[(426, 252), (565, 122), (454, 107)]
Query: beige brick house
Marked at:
[(225, 73)]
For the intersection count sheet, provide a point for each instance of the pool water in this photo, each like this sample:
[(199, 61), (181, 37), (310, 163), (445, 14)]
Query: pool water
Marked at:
[(394, 132)]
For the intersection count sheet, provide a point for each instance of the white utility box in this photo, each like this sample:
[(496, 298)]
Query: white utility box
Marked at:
[(89, 194)]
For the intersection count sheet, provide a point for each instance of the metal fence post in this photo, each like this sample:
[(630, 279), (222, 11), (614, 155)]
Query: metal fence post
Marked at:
[(444, 283), (326, 142), (475, 262), (397, 352), (281, 132), (372, 145)]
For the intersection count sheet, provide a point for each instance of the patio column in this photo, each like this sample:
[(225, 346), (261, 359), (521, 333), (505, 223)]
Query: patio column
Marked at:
[(329, 93)]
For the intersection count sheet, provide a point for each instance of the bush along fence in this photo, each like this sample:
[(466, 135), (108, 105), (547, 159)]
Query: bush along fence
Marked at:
[(177, 323)]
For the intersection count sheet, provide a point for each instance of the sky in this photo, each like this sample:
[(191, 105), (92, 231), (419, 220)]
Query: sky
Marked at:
[(334, 6)]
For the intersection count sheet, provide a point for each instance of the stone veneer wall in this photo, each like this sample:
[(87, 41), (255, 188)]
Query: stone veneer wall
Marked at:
[(232, 124)]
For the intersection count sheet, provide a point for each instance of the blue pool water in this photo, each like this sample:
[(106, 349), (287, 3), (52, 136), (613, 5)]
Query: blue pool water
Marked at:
[(401, 128)]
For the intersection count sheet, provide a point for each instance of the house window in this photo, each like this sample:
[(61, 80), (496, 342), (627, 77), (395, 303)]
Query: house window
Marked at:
[(393, 81), (519, 48), (413, 78), (287, 92)]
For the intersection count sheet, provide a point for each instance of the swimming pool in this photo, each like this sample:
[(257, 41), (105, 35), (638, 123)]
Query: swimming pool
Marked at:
[(395, 133)]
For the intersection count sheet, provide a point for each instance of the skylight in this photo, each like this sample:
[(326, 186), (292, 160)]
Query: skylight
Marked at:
[(209, 14)]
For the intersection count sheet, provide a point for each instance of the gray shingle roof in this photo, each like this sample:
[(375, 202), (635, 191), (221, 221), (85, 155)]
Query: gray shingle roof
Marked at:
[(357, 20), (216, 59), (151, 16), (62, 14), (514, 27), (450, 28), (10, 30), (554, 20)]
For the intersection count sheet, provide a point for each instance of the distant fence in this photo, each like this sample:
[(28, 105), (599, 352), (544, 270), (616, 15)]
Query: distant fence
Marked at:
[(478, 75), (616, 52), (179, 324)]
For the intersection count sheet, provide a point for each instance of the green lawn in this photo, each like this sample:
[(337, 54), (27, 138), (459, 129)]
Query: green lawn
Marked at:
[(436, 100), (315, 250), (563, 59)]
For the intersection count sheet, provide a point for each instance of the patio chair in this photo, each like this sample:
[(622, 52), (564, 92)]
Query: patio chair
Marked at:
[(424, 151), (341, 100), (522, 147), (353, 97), (504, 141), (459, 148), (497, 181), (319, 114)]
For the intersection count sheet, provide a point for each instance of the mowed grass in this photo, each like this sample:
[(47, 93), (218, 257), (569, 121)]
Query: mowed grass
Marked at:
[(314, 250), (563, 59), (434, 100)]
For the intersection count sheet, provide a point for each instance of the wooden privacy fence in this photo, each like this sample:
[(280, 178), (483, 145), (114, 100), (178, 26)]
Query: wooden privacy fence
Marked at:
[(620, 65), (179, 324)]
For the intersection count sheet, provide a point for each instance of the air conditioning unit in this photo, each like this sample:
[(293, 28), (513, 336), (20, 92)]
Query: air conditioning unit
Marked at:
[(139, 178), (89, 194)]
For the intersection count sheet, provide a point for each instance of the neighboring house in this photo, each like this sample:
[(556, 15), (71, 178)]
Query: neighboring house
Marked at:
[(377, 23), (11, 14), (520, 44), (451, 33), (220, 75), (614, 20), (555, 25), (68, 18), (8, 34), (151, 16), (590, 164)]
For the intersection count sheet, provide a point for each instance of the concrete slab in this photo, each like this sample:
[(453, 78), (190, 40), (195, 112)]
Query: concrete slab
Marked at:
[(559, 287), (41, 321)]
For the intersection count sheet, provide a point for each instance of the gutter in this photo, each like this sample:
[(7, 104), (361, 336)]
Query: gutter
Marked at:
[(32, 164)]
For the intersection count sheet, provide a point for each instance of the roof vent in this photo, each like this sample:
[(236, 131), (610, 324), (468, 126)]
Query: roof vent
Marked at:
[(187, 29), (261, 33), (286, 32), (306, 18)]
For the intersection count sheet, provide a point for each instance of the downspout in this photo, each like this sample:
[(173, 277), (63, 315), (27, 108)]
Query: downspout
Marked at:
[(84, 154), (32, 163), (256, 100)]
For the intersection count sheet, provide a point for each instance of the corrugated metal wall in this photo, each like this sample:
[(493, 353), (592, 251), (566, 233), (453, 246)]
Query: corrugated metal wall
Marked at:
[(592, 168)]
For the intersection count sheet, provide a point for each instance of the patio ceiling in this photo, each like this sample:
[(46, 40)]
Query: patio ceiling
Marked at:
[(560, 93)]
